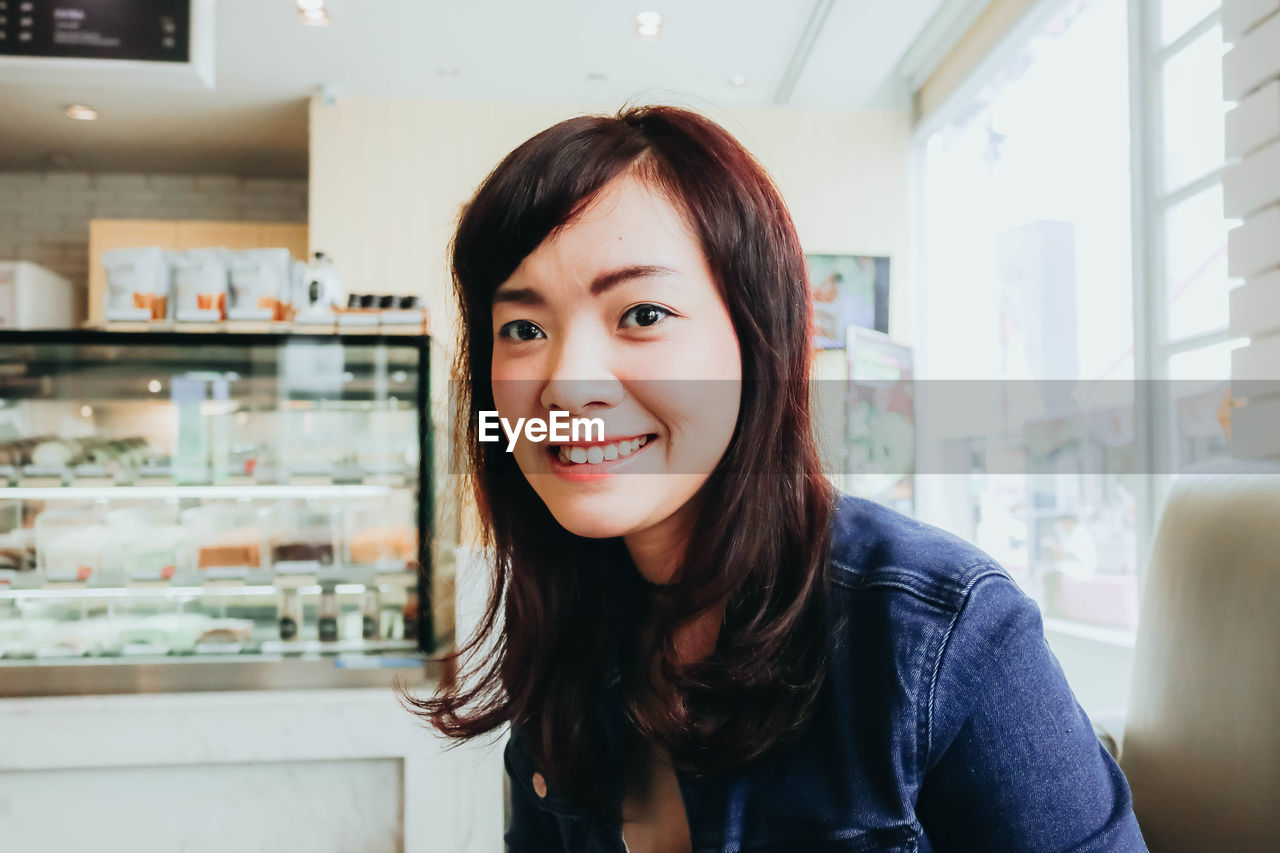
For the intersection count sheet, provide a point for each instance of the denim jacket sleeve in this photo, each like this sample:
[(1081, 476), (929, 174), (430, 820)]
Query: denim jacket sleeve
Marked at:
[(1012, 761)]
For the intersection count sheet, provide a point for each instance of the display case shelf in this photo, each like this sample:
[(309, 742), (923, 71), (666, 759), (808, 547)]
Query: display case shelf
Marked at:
[(233, 497), (74, 490)]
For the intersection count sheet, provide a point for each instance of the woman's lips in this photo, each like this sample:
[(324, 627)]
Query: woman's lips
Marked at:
[(592, 459)]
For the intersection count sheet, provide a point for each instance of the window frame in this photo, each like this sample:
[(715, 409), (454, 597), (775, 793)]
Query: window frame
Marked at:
[(1153, 347)]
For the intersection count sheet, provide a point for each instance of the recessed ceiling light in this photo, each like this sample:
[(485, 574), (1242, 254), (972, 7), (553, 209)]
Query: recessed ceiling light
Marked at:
[(738, 80), (154, 386), (648, 25), (313, 12), (81, 113)]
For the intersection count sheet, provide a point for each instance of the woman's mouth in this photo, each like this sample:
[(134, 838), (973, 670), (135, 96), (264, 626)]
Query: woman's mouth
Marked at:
[(596, 457)]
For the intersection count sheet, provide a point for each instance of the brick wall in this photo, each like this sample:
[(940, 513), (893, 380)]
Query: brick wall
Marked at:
[(44, 216)]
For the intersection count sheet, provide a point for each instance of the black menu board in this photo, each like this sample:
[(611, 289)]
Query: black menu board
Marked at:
[(151, 30)]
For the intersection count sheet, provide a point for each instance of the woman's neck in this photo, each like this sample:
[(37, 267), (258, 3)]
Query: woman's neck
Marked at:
[(658, 550), (657, 553)]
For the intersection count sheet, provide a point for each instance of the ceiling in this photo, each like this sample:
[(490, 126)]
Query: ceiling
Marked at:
[(807, 53)]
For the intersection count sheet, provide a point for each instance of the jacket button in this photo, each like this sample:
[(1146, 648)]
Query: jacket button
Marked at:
[(539, 786)]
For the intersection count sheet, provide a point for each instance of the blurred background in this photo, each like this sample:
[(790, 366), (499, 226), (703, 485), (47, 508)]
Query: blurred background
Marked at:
[(229, 518)]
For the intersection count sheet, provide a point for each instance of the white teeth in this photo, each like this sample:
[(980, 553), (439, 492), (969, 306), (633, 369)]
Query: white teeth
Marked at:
[(597, 453)]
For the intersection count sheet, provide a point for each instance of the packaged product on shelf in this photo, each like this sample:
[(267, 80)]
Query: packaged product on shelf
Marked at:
[(78, 637), (322, 289), (290, 615), (406, 311), (371, 615), (382, 531), (327, 620), (260, 284), (226, 631), (411, 615), (113, 454), (191, 452), (228, 541), (18, 551), (20, 638), (304, 537), (17, 543), (199, 285), (142, 633), (54, 453), (69, 544), (142, 545), (175, 632), (137, 284), (388, 544)]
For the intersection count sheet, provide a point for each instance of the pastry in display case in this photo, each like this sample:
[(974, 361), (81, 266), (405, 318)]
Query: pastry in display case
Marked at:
[(206, 511)]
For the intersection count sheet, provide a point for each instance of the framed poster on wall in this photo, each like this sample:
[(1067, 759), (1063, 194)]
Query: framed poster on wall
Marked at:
[(848, 290)]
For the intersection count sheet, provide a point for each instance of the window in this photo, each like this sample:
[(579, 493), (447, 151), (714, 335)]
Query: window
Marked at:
[(1072, 241)]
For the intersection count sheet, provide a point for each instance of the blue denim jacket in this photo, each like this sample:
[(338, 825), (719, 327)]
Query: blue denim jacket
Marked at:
[(945, 723)]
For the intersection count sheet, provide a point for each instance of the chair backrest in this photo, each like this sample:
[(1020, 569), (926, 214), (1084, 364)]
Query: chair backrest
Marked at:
[(1201, 745)]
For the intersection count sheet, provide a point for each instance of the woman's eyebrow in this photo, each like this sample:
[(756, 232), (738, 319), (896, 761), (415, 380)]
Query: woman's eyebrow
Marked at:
[(518, 295), (606, 280), (601, 283)]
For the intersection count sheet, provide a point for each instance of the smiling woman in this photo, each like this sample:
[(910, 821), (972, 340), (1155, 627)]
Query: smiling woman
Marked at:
[(699, 644)]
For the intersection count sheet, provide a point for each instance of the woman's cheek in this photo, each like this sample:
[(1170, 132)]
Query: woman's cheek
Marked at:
[(698, 417)]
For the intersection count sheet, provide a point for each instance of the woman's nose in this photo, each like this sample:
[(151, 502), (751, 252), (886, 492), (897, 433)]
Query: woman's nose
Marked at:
[(580, 376)]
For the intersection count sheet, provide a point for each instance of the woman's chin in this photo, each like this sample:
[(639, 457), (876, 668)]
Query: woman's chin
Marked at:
[(591, 522), (601, 513)]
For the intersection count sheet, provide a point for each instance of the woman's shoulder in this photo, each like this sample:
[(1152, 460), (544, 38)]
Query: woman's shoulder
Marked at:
[(876, 547), (937, 609), (917, 592)]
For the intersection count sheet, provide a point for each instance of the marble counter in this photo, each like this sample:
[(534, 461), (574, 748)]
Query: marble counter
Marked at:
[(314, 770)]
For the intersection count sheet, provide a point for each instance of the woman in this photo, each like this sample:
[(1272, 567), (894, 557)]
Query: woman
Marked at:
[(698, 644)]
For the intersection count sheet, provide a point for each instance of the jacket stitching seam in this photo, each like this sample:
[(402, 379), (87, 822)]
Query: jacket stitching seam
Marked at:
[(931, 595), (937, 664)]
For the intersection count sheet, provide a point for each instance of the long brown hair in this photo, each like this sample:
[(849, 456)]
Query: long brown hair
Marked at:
[(540, 655)]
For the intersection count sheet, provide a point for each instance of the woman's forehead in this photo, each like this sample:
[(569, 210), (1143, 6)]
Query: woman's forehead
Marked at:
[(627, 224)]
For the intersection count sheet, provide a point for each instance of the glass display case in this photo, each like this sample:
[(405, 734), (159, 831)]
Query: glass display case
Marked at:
[(188, 511)]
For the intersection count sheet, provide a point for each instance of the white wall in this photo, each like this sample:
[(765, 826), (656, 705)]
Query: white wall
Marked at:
[(44, 216), (388, 178)]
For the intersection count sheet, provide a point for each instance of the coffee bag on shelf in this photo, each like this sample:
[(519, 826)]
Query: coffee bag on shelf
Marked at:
[(199, 285), (137, 284), (260, 284)]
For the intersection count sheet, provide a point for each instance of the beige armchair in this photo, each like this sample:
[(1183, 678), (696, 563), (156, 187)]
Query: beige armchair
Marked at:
[(1201, 743)]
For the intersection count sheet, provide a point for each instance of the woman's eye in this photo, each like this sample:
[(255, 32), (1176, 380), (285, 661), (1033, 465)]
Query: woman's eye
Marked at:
[(521, 330), (643, 315)]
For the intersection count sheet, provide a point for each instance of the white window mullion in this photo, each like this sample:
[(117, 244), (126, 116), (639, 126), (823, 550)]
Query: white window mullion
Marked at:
[(1148, 264), (1193, 188), (1163, 54)]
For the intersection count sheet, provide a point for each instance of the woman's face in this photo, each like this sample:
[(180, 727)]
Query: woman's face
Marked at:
[(597, 322)]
